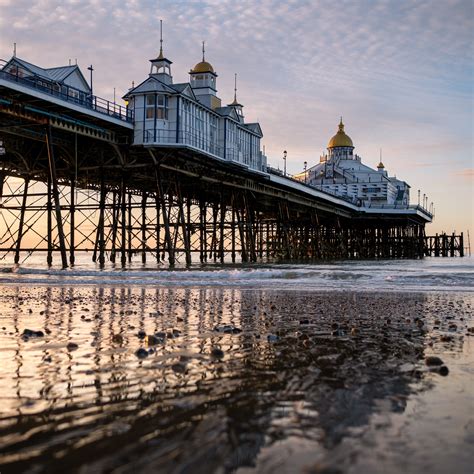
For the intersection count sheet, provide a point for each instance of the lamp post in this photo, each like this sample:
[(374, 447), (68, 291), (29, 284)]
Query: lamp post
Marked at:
[(305, 165), (284, 163), (90, 68), (418, 197)]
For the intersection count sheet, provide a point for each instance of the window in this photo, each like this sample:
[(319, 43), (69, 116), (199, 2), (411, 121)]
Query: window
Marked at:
[(150, 107), (161, 107)]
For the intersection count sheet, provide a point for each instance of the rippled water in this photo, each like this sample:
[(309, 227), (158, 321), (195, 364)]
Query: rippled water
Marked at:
[(430, 274), (276, 368)]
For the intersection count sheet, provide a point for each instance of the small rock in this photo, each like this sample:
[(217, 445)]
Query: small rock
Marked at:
[(443, 370), (180, 368), (272, 338), (117, 338), (355, 331), (72, 346), (433, 361), (141, 334), (304, 321), (31, 333), (445, 338), (228, 329), (141, 353), (217, 353), (153, 340)]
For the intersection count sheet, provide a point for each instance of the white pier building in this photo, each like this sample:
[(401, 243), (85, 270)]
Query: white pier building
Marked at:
[(342, 173), (191, 114)]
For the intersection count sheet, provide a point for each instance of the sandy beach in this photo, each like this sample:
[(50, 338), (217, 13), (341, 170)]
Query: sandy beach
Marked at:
[(117, 379)]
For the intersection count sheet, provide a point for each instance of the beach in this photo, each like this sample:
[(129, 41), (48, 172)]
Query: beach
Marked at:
[(240, 378)]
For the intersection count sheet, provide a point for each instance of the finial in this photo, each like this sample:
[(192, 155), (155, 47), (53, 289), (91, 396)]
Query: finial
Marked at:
[(203, 52), (14, 50), (380, 165), (235, 87), (341, 125), (161, 40)]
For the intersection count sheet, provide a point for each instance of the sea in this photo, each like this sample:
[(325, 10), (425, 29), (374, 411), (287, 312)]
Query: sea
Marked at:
[(425, 275), (347, 367)]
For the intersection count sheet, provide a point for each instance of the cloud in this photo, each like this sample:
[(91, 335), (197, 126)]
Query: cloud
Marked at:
[(467, 174), (399, 72)]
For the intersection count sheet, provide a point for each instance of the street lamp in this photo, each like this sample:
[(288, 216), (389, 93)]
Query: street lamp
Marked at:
[(418, 197), (90, 68), (284, 162), (305, 165)]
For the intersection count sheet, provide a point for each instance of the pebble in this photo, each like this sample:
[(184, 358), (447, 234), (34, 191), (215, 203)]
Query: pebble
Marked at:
[(228, 329), (72, 346), (433, 360), (304, 321), (355, 332), (141, 353), (154, 340), (141, 334), (31, 333), (217, 353), (272, 338), (117, 338), (180, 368)]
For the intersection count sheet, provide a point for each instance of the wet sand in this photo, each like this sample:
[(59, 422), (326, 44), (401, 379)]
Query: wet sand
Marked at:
[(219, 380)]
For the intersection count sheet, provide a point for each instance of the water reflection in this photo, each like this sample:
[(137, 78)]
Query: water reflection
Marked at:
[(306, 371)]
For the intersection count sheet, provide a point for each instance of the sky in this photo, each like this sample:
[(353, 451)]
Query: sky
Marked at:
[(399, 72)]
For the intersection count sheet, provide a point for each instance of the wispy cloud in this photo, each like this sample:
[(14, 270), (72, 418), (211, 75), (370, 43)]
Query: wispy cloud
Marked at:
[(400, 73)]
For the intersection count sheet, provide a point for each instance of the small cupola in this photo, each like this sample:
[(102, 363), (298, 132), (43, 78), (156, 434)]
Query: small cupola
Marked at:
[(202, 75), (161, 66), (235, 104)]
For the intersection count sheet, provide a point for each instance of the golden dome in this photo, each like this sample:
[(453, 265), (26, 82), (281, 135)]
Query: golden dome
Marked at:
[(340, 139), (202, 67)]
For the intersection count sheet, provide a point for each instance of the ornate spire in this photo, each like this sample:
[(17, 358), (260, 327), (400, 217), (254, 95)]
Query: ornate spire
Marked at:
[(341, 125), (235, 91), (203, 52), (380, 166), (161, 41)]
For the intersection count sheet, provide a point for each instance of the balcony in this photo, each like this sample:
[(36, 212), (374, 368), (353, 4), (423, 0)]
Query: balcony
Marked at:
[(67, 94)]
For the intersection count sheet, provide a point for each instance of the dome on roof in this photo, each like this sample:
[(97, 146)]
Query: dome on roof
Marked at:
[(202, 67), (340, 139)]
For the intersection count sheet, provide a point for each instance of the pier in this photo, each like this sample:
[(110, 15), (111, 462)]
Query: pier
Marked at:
[(77, 175)]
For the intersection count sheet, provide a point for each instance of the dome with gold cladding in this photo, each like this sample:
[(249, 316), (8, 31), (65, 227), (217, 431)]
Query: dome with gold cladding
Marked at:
[(340, 139), (202, 67)]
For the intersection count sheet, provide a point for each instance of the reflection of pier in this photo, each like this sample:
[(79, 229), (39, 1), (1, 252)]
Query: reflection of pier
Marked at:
[(71, 181), (102, 407)]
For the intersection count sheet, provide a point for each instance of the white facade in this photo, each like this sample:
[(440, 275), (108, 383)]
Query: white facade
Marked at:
[(342, 173), (191, 114)]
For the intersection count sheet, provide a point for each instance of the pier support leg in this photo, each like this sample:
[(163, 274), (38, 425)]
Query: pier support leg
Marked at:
[(72, 222), (22, 220), (143, 229), (161, 197), (57, 206)]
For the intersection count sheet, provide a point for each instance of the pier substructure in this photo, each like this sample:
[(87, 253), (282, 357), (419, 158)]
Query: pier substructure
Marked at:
[(65, 190)]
